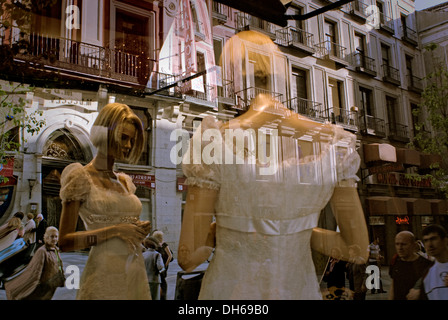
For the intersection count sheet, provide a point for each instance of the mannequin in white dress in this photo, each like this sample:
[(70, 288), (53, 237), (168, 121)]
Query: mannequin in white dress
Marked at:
[(110, 210), (266, 224)]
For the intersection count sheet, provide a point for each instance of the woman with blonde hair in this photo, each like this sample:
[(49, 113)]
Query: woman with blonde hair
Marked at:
[(106, 202)]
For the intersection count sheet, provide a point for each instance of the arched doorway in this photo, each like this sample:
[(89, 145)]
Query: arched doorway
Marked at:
[(61, 148)]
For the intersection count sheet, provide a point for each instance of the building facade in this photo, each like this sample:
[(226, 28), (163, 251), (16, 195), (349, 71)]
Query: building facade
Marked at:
[(360, 66)]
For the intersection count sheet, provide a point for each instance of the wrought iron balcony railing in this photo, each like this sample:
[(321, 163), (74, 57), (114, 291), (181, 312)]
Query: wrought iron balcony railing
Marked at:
[(372, 126), (306, 107), (391, 74), (365, 64), (344, 117), (386, 23), (409, 35), (245, 96), (220, 11), (246, 21), (294, 37), (333, 51), (80, 57), (226, 92), (414, 83), (398, 132)]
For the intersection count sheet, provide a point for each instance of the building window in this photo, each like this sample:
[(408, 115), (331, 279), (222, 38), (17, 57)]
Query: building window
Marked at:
[(391, 106), (299, 83), (337, 100), (366, 101), (132, 48)]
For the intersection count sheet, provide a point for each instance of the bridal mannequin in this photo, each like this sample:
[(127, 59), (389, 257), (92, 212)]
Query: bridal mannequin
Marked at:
[(106, 203), (208, 199)]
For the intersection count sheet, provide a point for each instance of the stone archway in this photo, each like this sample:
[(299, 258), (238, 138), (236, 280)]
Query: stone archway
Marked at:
[(61, 148)]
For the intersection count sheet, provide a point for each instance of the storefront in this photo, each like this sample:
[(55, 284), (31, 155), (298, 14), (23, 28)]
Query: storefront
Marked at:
[(396, 197)]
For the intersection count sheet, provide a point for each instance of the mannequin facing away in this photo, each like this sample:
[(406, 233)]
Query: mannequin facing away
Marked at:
[(198, 230), (266, 225)]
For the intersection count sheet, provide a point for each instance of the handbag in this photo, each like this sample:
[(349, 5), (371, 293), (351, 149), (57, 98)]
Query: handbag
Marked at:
[(58, 280)]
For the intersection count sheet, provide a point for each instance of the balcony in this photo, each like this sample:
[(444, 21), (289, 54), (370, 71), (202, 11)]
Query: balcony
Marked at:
[(386, 23), (206, 97), (332, 51), (370, 125), (365, 64), (245, 96), (391, 75), (343, 117), (409, 36), (398, 132), (226, 93), (80, 58), (357, 9), (245, 21), (415, 84), (159, 80), (309, 108), (220, 12), (295, 38)]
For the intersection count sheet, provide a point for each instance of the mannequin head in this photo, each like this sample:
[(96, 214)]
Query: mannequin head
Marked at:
[(118, 133)]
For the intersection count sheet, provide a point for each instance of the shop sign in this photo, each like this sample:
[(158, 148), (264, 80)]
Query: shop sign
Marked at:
[(400, 179), (427, 220), (144, 180), (392, 167), (376, 221), (7, 169), (402, 220)]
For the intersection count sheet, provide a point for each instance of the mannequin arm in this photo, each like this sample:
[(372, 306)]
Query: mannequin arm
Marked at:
[(71, 240), (197, 237), (349, 216)]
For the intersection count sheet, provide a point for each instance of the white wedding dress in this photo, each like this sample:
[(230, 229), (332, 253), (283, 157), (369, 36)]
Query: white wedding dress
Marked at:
[(264, 222), (113, 271)]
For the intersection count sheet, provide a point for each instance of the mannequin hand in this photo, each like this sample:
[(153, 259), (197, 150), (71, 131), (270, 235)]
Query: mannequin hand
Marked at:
[(132, 234), (145, 225)]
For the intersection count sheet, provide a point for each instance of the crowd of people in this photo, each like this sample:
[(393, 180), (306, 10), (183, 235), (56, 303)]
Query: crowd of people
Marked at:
[(418, 270), (45, 272)]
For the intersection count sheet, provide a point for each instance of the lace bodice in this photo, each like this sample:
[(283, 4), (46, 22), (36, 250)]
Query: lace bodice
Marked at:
[(100, 207), (264, 221)]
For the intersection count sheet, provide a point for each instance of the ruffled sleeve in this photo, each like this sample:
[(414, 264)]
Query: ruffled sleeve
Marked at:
[(199, 170), (75, 184), (127, 182), (348, 160)]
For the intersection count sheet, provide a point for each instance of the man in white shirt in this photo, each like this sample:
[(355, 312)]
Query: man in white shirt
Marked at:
[(435, 282)]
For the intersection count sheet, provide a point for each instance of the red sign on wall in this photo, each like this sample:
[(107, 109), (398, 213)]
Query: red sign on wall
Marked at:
[(7, 169), (402, 220), (144, 180)]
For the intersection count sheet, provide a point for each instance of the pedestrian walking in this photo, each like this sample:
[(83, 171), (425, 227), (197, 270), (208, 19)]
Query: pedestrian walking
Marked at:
[(167, 257), (335, 274), (154, 266), (43, 275), (30, 229), (407, 266), (41, 226)]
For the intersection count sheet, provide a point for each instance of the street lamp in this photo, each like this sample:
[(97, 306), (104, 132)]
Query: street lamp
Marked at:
[(31, 183)]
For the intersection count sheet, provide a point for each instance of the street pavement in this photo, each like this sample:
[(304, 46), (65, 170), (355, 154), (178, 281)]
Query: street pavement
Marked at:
[(79, 259)]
